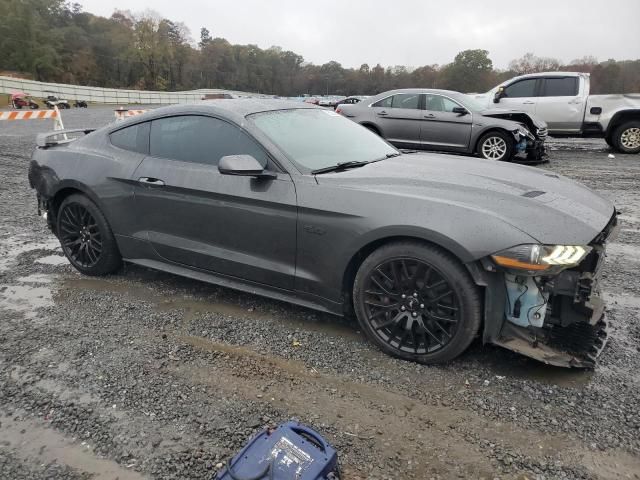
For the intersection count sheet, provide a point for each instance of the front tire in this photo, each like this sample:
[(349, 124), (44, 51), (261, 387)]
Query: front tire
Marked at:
[(417, 302), (86, 238), (626, 138), (496, 146)]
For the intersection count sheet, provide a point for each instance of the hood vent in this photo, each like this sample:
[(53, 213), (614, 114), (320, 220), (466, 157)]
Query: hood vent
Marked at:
[(533, 193)]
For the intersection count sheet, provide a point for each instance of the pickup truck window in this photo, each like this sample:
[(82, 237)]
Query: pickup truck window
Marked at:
[(523, 88), (560, 87)]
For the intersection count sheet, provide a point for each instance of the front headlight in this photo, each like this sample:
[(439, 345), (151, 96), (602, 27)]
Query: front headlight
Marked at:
[(523, 132), (541, 259)]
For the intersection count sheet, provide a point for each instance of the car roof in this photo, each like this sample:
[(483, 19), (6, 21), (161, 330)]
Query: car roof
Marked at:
[(235, 109), (418, 90)]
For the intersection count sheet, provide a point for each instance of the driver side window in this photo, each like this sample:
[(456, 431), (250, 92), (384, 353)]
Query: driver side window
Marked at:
[(200, 139), (521, 89), (438, 103)]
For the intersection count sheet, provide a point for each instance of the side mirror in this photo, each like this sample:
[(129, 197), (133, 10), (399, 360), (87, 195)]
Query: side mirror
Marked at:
[(499, 94), (242, 165), (460, 110)]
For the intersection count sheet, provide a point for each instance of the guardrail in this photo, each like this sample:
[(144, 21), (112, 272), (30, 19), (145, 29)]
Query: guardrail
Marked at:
[(114, 96)]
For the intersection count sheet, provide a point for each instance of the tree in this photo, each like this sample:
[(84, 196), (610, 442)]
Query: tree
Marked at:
[(471, 71), (529, 63)]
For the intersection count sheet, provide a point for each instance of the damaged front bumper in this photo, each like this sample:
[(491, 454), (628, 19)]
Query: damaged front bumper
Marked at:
[(564, 323), (530, 145)]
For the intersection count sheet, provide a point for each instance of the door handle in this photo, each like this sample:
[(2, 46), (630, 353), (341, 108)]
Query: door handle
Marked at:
[(528, 103), (430, 115), (152, 182), (382, 113)]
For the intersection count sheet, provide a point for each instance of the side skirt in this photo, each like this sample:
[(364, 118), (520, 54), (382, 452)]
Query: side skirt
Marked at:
[(301, 299)]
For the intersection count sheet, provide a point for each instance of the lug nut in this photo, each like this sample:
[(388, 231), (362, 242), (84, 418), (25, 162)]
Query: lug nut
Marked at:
[(403, 308), (422, 305), (404, 296), (415, 294), (414, 314)]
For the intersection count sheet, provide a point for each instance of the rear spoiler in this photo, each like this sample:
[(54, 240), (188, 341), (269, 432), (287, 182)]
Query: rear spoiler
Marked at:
[(44, 140)]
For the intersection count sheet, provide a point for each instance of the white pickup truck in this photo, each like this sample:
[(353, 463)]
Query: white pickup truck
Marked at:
[(562, 100)]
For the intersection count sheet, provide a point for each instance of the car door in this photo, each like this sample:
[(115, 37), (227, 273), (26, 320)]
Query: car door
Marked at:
[(192, 215), (441, 127), (521, 95), (560, 104), (398, 118)]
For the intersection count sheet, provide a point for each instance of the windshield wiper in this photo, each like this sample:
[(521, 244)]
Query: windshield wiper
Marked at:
[(339, 167)]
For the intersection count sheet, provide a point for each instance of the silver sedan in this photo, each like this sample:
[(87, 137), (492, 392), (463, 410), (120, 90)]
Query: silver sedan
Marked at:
[(449, 121)]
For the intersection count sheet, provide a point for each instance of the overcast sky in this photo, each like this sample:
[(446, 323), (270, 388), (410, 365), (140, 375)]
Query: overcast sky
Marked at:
[(409, 32)]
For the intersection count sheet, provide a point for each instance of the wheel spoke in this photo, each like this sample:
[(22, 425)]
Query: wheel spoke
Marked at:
[(382, 287)]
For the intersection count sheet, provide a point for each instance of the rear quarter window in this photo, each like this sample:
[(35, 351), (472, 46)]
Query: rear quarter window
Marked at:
[(560, 87), (134, 138)]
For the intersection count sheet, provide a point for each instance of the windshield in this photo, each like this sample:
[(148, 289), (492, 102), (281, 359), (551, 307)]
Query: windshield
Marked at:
[(315, 138), (470, 103)]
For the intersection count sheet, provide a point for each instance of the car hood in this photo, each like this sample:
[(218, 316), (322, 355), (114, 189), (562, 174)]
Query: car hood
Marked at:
[(547, 207), (515, 115)]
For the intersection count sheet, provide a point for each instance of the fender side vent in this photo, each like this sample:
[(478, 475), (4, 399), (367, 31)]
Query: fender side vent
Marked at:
[(533, 193)]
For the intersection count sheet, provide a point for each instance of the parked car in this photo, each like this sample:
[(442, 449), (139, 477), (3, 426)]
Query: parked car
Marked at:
[(449, 121), (53, 101), (562, 100), (297, 203), (348, 101), (80, 104), (21, 100)]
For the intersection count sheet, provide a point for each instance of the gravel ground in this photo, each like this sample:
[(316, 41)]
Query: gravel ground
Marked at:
[(145, 375)]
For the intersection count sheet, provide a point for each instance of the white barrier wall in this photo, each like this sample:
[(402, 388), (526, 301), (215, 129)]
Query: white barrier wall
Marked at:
[(106, 95)]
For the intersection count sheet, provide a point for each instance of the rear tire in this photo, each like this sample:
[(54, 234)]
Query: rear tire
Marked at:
[(417, 302), (626, 138), (86, 238), (496, 145)]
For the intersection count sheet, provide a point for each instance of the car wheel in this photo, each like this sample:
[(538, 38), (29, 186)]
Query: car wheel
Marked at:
[(609, 141), (34, 106), (86, 238), (496, 146), (626, 137), (417, 302)]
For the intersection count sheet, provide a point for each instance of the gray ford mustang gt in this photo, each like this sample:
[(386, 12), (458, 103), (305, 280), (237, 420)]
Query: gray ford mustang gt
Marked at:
[(298, 203)]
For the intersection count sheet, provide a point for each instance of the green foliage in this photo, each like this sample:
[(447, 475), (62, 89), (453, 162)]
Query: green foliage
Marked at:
[(52, 40)]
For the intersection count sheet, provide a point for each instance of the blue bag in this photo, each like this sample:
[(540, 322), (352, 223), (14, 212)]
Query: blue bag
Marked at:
[(291, 451)]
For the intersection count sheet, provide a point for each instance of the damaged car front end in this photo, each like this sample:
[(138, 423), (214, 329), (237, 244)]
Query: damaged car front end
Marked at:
[(530, 133), (545, 302)]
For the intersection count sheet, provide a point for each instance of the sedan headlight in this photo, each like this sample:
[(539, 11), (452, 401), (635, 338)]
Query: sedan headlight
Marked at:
[(542, 259), (523, 132)]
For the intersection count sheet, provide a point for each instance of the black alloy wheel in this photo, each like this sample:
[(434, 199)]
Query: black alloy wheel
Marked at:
[(411, 306), (417, 302), (85, 236), (80, 236)]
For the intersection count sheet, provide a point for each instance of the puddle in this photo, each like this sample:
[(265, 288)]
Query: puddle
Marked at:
[(324, 323), (30, 439), (11, 248), (53, 260), (41, 278), (25, 299)]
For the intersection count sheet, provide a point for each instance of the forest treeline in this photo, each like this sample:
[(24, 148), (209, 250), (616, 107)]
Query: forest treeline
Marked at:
[(55, 41)]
